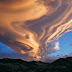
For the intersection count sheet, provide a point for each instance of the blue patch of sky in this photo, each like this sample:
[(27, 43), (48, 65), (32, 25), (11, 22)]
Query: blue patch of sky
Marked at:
[(64, 44), (5, 49)]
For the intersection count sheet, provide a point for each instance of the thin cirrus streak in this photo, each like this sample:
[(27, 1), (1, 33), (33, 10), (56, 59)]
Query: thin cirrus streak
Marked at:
[(30, 26)]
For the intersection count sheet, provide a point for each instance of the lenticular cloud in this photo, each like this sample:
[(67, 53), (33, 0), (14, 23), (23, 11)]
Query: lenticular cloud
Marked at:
[(30, 26)]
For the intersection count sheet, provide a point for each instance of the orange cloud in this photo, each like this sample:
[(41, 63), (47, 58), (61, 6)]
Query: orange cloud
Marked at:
[(28, 26)]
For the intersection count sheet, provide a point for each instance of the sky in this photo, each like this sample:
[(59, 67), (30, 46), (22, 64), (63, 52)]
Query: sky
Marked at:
[(65, 45), (35, 29), (65, 49)]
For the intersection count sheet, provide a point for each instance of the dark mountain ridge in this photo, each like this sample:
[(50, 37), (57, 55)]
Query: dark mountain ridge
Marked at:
[(17, 65)]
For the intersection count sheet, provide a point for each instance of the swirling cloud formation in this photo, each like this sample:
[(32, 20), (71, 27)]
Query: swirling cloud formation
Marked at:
[(29, 26)]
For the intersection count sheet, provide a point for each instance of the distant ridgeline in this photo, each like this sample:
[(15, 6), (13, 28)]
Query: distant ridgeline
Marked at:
[(17, 65)]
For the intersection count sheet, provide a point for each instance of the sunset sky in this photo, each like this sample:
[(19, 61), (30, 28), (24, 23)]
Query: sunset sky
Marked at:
[(65, 45), (35, 29)]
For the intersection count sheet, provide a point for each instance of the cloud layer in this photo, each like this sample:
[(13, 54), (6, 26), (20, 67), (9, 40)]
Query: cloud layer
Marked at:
[(29, 26)]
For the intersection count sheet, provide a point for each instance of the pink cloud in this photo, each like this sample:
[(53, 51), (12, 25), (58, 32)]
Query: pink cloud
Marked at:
[(70, 44)]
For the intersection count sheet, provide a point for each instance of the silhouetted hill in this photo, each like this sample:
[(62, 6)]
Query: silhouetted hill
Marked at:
[(17, 65)]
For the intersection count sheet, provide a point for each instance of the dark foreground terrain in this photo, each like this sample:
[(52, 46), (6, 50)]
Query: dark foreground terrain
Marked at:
[(17, 65)]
